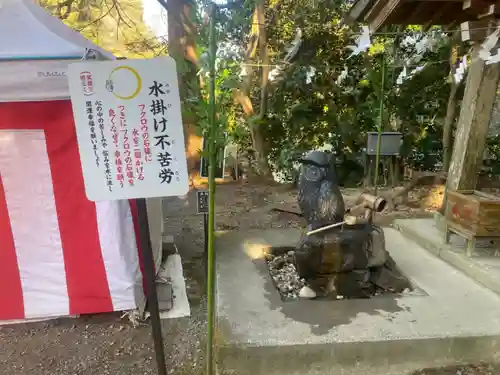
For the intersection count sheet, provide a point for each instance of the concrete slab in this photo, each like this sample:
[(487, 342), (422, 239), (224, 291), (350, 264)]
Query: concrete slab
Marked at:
[(483, 266), (172, 268), (457, 321), (172, 272)]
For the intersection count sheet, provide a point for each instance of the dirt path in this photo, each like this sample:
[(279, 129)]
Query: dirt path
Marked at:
[(106, 344)]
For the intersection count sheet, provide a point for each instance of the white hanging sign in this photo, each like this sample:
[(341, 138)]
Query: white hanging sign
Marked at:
[(129, 128)]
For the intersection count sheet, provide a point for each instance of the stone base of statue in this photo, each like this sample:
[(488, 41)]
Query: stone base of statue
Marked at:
[(350, 262)]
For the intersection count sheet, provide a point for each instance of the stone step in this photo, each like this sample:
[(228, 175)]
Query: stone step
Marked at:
[(455, 321), (483, 266)]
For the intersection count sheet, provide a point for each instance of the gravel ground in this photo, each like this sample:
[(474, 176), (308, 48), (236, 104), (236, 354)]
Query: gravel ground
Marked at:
[(481, 369), (106, 344), (285, 276)]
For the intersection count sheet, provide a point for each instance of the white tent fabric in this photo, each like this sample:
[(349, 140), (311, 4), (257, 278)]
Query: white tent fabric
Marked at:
[(36, 49)]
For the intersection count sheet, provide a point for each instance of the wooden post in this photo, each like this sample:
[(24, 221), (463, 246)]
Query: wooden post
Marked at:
[(473, 123)]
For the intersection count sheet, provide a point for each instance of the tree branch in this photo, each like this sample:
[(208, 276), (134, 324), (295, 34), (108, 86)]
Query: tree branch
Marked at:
[(98, 19)]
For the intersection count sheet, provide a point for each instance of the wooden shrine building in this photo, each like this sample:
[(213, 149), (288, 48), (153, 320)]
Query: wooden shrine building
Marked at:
[(476, 19), (447, 13)]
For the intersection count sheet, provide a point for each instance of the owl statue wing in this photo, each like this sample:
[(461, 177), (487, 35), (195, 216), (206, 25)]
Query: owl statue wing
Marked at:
[(330, 204), (306, 198)]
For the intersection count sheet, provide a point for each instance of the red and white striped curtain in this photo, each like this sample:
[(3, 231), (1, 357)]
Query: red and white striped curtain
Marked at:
[(60, 254)]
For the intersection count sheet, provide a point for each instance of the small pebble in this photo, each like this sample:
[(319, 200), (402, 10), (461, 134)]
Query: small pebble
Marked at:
[(307, 292)]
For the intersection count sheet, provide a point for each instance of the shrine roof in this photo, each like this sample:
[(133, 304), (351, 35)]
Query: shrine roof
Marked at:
[(448, 13)]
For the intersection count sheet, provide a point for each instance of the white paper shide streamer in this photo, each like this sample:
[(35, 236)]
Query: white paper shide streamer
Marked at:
[(311, 72), (363, 42), (291, 52), (487, 46), (342, 76), (402, 76), (461, 69), (294, 47), (422, 46)]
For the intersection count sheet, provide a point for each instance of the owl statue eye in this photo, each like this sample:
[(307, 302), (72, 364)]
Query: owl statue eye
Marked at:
[(313, 173)]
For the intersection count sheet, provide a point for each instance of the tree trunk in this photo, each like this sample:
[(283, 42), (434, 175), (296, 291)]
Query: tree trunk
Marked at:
[(259, 142), (257, 38), (182, 47)]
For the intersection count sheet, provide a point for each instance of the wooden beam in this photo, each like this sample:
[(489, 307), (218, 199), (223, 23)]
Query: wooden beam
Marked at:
[(475, 31), (357, 11), (465, 31), (481, 8), (420, 8), (377, 12), (477, 3), (488, 12), (434, 1), (437, 16), (376, 8), (382, 16), (473, 123)]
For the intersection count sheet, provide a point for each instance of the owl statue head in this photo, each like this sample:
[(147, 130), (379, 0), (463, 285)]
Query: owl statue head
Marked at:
[(316, 167)]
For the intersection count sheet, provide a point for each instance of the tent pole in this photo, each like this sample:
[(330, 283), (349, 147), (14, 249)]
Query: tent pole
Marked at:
[(150, 277)]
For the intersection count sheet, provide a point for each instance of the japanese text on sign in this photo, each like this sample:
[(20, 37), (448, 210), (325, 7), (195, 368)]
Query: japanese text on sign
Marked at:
[(129, 128), (159, 107), (93, 135), (104, 144)]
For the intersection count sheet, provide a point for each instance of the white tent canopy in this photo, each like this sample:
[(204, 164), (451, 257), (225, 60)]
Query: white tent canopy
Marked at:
[(36, 49)]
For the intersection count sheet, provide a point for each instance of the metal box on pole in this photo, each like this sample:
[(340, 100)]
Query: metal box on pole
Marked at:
[(390, 143)]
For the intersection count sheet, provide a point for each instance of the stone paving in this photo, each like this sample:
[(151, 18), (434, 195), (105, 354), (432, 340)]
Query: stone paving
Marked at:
[(451, 320)]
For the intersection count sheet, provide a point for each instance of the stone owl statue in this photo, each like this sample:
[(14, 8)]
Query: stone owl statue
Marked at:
[(349, 261), (319, 197)]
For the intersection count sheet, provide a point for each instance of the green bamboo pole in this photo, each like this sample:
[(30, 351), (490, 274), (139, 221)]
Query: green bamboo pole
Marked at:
[(380, 125), (212, 149)]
